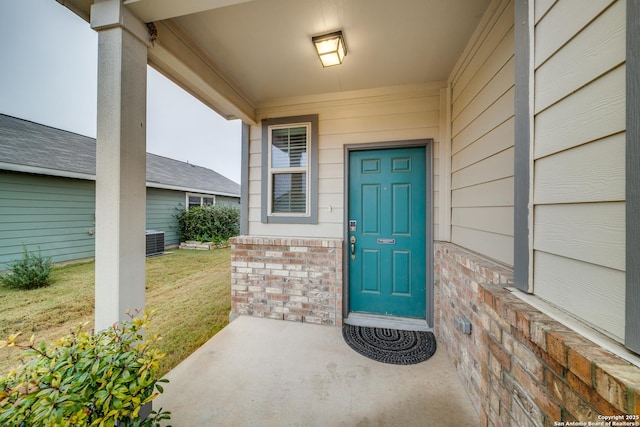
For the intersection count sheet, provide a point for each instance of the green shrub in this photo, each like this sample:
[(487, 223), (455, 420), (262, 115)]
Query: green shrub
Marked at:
[(31, 272), (209, 223), (84, 379)]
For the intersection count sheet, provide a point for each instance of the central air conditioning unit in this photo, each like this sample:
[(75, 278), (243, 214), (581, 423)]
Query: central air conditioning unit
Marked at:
[(155, 242)]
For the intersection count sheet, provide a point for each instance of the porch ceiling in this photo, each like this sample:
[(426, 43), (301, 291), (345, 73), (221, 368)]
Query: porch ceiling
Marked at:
[(239, 55)]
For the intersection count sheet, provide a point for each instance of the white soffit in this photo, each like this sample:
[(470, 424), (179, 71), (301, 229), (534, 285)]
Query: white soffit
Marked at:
[(265, 45), (157, 10), (253, 52)]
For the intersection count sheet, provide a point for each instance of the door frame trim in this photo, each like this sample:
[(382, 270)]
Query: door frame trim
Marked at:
[(427, 143)]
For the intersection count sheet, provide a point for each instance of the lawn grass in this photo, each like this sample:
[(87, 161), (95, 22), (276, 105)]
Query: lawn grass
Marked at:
[(189, 289)]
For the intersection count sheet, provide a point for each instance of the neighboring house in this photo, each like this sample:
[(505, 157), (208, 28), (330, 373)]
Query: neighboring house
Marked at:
[(471, 160), (47, 192)]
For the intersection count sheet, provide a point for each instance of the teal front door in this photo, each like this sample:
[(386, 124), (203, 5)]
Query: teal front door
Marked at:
[(387, 232)]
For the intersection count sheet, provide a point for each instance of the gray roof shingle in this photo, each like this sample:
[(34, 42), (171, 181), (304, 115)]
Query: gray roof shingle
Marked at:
[(31, 144)]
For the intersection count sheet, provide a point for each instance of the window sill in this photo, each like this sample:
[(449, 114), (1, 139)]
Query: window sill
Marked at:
[(282, 219)]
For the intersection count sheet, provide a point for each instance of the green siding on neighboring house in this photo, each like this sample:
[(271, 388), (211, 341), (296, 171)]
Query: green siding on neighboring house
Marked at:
[(228, 201), (55, 215), (162, 208)]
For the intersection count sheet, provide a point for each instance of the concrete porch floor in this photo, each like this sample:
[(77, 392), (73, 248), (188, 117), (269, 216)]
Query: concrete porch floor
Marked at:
[(263, 372)]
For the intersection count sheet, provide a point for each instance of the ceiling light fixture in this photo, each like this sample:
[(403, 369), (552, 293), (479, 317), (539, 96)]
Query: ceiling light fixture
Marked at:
[(331, 48)]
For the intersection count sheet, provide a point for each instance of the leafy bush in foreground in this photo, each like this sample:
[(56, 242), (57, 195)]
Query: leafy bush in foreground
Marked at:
[(84, 379)]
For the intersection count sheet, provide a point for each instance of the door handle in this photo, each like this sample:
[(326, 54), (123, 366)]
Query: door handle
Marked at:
[(353, 247)]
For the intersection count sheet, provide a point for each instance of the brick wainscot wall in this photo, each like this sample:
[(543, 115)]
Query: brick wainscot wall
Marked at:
[(288, 279), (521, 367)]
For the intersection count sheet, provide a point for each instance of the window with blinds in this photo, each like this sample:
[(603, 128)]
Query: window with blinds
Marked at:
[(288, 169), (195, 200)]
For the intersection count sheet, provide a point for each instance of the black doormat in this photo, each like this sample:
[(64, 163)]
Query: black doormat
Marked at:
[(390, 345)]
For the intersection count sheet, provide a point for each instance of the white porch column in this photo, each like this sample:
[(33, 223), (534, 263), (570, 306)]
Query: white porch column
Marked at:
[(121, 162)]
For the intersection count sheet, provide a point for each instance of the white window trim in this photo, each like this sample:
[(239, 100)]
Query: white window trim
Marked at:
[(273, 171), (202, 196)]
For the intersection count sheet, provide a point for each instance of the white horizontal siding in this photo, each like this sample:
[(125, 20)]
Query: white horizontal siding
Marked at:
[(562, 22), (500, 111), (593, 171), (590, 292), (367, 136), (482, 129), (493, 168), (480, 240), (435, 194), (377, 123), (591, 232), (497, 71), (579, 160), (541, 7), (496, 219), (595, 111), (591, 53), (484, 49), (255, 160), (386, 115), (499, 139), (494, 193)]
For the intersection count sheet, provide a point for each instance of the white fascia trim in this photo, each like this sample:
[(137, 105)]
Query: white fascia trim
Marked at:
[(45, 171), (35, 170), (158, 10), (189, 189)]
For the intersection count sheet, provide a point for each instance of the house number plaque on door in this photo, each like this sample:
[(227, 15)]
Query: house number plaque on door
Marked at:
[(386, 241)]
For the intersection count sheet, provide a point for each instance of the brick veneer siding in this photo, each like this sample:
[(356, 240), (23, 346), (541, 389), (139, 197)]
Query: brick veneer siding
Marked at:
[(289, 279), (521, 367)]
